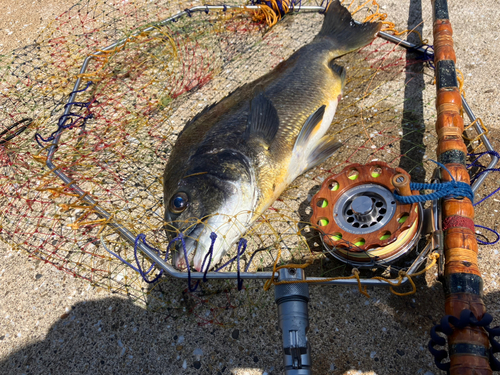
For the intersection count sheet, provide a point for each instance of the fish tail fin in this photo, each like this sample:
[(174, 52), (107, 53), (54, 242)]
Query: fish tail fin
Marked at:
[(346, 35)]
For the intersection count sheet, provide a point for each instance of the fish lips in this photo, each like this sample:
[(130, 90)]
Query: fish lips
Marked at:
[(184, 248), (208, 250), (191, 229)]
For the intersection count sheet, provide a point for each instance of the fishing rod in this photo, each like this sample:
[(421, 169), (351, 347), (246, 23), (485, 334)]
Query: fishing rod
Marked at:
[(463, 285)]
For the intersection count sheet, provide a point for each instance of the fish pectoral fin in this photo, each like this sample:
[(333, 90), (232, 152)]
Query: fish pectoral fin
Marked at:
[(308, 130), (263, 121), (327, 146)]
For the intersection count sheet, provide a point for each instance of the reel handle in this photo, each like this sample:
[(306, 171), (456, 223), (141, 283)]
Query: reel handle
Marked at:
[(402, 183)]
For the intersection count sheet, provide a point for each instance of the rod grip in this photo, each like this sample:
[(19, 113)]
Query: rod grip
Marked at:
[(468, 347)]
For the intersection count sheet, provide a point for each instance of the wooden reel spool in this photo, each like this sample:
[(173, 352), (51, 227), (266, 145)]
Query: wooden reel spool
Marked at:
[(359, 219)]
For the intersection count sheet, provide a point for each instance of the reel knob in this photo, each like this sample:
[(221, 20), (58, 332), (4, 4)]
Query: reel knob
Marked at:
[(362, 207)]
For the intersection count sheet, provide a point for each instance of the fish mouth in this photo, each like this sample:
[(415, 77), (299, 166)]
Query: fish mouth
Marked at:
[(182, 253), (196, 249), (209, 250), (228, 220)]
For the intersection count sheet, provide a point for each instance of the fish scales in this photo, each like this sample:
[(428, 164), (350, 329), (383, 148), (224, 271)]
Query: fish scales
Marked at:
[(236, 157)]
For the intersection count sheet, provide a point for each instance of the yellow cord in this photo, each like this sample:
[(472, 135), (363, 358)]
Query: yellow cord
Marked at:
[(460, 79), (272, 14), (402, 274)]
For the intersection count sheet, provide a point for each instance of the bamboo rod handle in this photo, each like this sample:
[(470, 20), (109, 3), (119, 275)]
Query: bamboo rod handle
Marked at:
[(463, 283)]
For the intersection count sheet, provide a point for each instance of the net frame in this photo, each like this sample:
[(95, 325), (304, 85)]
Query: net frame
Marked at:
[(147, 250), (142, 246)]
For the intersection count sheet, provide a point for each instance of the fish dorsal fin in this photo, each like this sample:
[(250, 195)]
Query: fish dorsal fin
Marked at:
[(312, 123), (263, 119), (326, 148)]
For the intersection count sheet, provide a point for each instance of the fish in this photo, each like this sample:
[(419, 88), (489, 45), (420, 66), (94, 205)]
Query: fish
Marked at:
[(234, 159)]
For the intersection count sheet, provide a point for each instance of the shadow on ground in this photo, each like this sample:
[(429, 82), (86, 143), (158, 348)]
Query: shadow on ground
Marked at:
[(385, 334), (412, 143)]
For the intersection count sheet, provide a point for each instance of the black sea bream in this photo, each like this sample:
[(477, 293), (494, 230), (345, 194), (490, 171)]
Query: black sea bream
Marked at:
[(234, 159)]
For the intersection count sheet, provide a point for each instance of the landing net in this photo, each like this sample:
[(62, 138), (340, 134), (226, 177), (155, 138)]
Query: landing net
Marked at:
[(135, 99)]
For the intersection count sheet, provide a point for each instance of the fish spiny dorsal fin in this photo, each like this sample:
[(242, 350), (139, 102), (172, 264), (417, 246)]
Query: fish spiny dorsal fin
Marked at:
[(197, 117), (326, 148), (263, 120), (311, 123)]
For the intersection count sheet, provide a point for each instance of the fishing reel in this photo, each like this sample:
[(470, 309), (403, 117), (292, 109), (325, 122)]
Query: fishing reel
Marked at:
[(360, 221)]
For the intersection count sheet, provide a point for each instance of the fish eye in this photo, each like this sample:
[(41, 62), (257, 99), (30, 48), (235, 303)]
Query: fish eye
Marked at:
[(179, 202)]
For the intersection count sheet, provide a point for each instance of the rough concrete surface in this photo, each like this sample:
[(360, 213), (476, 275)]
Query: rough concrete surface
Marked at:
[(53, 323)]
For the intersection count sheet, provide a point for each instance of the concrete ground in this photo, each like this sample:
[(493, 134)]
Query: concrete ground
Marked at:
[(53, 323)]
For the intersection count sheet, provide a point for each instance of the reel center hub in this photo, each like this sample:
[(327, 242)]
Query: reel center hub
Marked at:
[(364, 209)]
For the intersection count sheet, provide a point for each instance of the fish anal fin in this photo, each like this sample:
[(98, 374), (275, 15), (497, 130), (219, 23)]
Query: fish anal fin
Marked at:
[(327, 146), (263, 120)]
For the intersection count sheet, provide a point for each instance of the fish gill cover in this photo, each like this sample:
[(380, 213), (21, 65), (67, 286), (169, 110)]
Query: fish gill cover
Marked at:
[(133, 102)]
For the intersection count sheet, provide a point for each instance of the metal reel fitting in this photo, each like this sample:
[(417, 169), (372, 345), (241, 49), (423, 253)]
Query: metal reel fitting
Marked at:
[(358, 217)]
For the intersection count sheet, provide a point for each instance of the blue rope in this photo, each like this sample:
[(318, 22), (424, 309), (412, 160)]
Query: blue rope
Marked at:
[(242, 246), (213, 237), (252, 256), (476, 164), (295, 3), (243, 242), (488, 196), (491, 230), (61, 123), (122, 260), (428, 56), (326, 5), (180, 237), (450, 323), (452, 188), (144, 274), (479, 155), (448, 189)]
